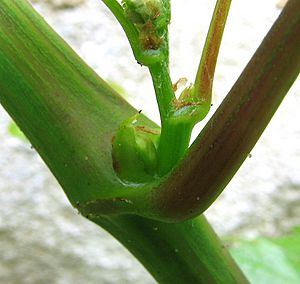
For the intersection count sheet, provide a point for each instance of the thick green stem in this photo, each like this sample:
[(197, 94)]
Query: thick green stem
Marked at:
[(233, 130), (185, 253), (176, 132), (68, 113)]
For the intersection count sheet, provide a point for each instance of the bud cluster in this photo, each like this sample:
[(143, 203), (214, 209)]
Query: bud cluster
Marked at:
[(151, 18)]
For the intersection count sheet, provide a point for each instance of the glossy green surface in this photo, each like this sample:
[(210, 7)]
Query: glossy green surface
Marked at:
[(68, 113), (183, 253), (70, 116)]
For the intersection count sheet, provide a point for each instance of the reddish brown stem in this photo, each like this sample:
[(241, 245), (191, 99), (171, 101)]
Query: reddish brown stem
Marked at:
[(231, 133), (206, 71)]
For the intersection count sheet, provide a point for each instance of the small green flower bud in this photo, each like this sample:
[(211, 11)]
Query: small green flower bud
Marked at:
[(188, 108), (142, 11), (151, 18), (134, 151)]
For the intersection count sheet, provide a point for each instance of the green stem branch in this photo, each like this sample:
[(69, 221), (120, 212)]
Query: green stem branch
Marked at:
[(175, 135), (174, 140), (67, 112), (205, 74), (143, 57), (163, 89), (233, 130)]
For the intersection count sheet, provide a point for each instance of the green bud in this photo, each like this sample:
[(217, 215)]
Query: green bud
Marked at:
[(151, 18), (134, 151), (188, 108), (142, 11)]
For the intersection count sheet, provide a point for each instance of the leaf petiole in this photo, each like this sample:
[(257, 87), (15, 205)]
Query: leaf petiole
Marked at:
[(205, 74)]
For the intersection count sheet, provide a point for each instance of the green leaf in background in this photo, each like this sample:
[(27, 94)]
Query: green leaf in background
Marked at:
[(273, 261), (15, 131)]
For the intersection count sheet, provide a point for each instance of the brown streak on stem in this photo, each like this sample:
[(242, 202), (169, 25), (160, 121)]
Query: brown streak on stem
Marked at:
[(205, 74)]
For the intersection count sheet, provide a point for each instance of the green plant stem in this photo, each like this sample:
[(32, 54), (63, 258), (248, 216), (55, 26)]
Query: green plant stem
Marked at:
[(70, 116), (186, 252), (143, 57), (233, 130), (175, 135), (163, 89), (205, 74), (67, 112), (174, 140)]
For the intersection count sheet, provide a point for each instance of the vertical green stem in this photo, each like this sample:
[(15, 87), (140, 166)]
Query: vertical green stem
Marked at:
[(174, 140), (188, 252), (175, 135), (163, 89)]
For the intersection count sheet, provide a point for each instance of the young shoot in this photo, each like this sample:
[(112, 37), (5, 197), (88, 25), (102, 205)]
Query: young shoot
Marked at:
[(146, 25)]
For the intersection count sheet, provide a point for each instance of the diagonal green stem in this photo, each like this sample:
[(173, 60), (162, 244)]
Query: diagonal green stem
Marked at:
[(233, 130), (205, 74), (176, 132), (70, 115)]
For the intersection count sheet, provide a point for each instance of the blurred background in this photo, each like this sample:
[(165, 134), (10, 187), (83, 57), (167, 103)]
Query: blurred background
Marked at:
[(44, 240)]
